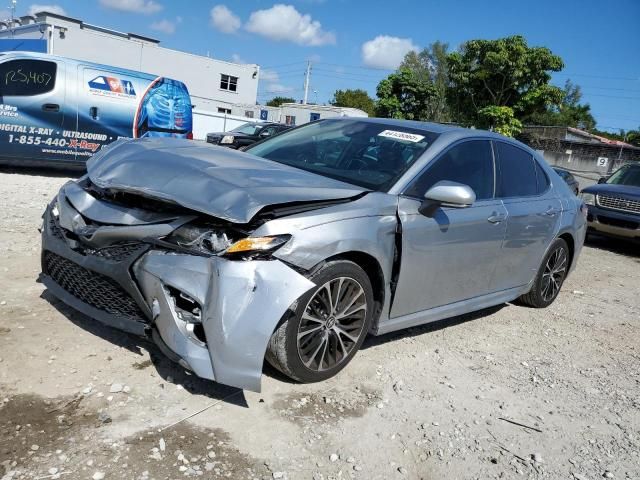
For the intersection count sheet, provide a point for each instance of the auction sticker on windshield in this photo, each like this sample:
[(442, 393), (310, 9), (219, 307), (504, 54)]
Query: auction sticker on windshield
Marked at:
[(409, 137)]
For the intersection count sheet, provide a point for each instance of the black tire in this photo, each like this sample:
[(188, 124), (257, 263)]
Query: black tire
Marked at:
[(283, 351), (543, 293)]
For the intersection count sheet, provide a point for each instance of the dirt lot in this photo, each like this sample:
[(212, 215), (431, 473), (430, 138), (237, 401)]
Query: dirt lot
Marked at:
[(81, 401)]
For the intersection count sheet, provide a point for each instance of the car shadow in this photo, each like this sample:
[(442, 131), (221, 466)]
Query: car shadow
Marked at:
[(56, 172), (620, 246), (375, 341), (168, 370)]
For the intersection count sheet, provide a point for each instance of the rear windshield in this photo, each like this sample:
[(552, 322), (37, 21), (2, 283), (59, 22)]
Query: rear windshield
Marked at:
[(369, 155)]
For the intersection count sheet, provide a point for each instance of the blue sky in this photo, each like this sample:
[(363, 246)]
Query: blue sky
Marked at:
[(352, 42)]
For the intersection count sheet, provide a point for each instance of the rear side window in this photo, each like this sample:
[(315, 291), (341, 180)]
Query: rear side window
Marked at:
[(516, 172), (542, 180), (23, 78), (469, 163)]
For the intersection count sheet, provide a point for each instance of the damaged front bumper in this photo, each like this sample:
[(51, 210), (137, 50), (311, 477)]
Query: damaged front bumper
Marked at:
[(139, 289)]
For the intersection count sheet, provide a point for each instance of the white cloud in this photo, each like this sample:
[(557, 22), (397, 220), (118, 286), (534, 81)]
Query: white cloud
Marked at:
[(285, 23), (278, 88), (145, 7), (235, 58), (37, 8), (386, 52), (224, 19), (269, 75), (164, 26)]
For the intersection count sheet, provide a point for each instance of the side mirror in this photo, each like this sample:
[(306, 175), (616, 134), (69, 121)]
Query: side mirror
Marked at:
[(450, 194), (265, 134), (602, 180)]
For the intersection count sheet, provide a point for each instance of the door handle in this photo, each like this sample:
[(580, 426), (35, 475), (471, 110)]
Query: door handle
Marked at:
[(496, 217), (51, 107), (93, 111), (552, 212)]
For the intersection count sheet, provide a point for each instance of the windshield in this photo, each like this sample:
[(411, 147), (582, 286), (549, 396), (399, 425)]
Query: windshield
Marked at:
[(248, 128), (626, 176), (370, 155)]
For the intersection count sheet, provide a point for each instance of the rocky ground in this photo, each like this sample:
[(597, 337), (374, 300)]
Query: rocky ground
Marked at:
[(510, 392)]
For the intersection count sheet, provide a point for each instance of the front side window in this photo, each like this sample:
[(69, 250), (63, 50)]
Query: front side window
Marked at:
[(516, 172), (469, 163), (370, 155), (228, 82), (27, 77)]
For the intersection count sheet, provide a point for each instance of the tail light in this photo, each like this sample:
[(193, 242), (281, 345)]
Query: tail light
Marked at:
[(190, 136)]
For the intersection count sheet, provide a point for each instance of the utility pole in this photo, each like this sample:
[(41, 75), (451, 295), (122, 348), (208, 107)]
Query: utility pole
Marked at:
[(307, 75), (13, 13)]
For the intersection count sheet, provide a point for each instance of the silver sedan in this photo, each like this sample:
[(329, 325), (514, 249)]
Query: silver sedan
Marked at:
[(300, 247)]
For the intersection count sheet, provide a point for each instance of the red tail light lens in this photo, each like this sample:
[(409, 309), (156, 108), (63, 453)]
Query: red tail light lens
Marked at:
[(190, 136)]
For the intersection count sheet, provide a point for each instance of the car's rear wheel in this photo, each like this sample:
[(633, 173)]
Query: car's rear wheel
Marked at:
[(328, 324), (550, 277)]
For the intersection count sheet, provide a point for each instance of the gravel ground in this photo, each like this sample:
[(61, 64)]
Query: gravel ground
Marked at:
[(81, 401)]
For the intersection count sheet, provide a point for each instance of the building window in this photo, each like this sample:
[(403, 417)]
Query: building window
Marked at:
[(226, 111), (227, 82), (248, 113), (290, 120)]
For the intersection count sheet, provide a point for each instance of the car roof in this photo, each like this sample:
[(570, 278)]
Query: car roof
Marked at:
[(453, 132)]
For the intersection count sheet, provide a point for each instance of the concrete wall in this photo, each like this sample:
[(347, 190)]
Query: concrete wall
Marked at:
[(205, 122)]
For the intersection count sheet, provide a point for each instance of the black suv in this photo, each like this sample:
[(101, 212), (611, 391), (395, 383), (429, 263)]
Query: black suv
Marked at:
[(614, 203), (245, 134)]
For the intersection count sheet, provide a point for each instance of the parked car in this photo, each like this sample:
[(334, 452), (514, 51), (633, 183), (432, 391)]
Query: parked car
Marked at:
[(59, 112), (569, 179), (246, 134), (300, 247), (614, 204)]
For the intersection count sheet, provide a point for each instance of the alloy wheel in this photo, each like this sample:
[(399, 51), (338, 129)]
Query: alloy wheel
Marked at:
[(332, 323), (554, 273)]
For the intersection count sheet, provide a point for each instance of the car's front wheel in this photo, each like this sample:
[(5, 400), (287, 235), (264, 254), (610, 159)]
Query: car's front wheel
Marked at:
[(550, 277), (328, 324)]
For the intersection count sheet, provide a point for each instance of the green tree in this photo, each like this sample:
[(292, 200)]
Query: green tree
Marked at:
[(277, 101), (502, 73), (403, 95), (357, 98), (430, 66), (570, 112), (500, 119)]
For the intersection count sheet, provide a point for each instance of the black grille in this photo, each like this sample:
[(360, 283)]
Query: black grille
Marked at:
[(92, 288), (116, 253), (615, 222)]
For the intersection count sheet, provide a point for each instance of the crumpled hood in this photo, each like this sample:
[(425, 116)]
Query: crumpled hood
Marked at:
[(623, 191), (217, 181)]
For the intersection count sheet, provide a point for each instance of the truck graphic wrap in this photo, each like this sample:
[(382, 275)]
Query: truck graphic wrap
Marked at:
[(57, 110)]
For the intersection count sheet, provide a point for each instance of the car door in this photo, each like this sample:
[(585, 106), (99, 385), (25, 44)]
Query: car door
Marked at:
[(450, 254), (533, 214), (32, 105)]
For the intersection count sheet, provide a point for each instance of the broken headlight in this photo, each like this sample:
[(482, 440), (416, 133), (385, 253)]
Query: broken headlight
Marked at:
[(202, 238), (257, 245)]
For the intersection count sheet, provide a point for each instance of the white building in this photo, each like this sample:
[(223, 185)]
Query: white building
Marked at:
[(214, 85), (295, 113)]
